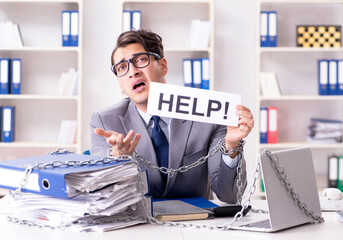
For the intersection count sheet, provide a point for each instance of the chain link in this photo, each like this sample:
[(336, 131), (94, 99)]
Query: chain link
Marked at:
[(283, 176), (220, 147)]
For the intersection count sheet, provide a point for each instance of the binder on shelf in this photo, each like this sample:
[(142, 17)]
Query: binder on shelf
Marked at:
[(196, 73), (263, 124), (333, 77), (272, 133), (136, 17), (4, 75), (340, 77), (0, 123), (187, 72), (66, 26), (126, 21), (272, 29), (132, 20), (205, 73), (323, 77), (55, 182), (7, 128), (74, 28), (264, 29), (16, 76), (340, 173), (332, 171)]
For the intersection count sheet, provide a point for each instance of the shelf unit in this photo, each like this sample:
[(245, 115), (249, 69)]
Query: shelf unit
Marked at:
[(296, 69), (157, 15), (39, 110)]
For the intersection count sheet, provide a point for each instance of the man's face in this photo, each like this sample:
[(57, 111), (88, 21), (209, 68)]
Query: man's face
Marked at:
[(136, 82)]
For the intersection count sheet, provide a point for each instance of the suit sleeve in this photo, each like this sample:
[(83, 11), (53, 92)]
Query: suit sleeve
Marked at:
[(224, 179), (99, 145)]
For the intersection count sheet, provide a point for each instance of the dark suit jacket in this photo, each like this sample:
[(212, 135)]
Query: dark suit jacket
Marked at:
[(188, 141)]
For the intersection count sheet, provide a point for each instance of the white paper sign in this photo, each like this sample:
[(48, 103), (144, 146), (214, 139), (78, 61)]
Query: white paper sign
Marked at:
[(193, 104)]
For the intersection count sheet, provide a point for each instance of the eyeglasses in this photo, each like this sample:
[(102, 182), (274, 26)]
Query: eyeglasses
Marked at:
[(140, 60)]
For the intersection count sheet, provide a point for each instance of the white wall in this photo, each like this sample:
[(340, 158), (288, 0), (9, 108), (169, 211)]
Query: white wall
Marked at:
[(234, 55)]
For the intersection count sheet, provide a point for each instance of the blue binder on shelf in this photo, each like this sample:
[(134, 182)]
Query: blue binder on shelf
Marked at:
[(272, 29), (74, 28), (127, 21), (15, 76), (66, 26), (0, 123), (340, 77), (187, 72), (205, 73), (264, 29), (323, 77), (49, 181), (136, 19), (263, 125), (196, 73), (333, 74), (4, 75), (7, 127)]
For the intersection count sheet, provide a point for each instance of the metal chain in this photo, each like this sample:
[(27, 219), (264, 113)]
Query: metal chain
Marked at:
[(282, 174), (220, 147), (56, 164)]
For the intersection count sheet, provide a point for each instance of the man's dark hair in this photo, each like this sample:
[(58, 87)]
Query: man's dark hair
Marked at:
[(151, 41)]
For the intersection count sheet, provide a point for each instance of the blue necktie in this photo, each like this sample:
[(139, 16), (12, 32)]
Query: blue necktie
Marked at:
[(161, 146)]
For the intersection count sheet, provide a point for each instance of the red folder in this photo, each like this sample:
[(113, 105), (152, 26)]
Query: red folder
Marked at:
[(272, 134)]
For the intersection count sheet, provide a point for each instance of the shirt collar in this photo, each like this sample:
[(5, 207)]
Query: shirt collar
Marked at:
[(146, 118)]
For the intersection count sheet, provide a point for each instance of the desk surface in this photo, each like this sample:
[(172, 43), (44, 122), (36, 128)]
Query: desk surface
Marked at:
[(331, 229)]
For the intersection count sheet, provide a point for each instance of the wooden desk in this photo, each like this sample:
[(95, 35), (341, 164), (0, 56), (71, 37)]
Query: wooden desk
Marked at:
[(331, 229)]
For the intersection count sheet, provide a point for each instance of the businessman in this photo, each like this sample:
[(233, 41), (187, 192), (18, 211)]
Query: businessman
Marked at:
[(137, 60)]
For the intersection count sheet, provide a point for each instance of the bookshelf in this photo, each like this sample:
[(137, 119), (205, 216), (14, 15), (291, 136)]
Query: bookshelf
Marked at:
[(297, 70), (157, 14), (39, 110)]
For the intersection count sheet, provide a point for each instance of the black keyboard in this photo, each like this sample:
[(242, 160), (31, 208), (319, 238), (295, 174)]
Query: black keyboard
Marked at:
[(262, 224)]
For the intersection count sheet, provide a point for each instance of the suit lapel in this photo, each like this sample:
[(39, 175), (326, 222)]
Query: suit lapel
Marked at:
[(132, 120), (179, 134)]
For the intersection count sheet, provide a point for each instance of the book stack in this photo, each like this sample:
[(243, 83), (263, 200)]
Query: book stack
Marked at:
[(10, 76), (7, 123), (199, 34), (325, 131), (67, 85), (10, 35), (269, 85), (68, 131), (93, 194)]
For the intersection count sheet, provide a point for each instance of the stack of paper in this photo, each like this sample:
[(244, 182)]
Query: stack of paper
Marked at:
[(325, 130), (98, 197)]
